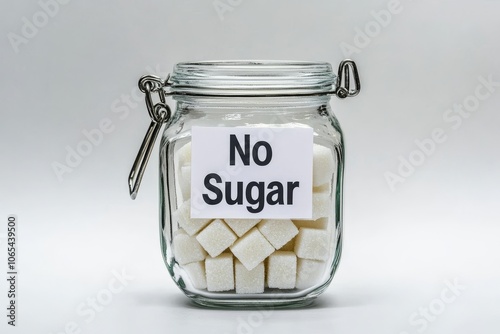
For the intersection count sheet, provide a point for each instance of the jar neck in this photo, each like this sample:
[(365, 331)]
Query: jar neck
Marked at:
[(221, 104)]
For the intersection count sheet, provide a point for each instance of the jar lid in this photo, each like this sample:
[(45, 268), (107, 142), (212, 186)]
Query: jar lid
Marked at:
[(252, 78)]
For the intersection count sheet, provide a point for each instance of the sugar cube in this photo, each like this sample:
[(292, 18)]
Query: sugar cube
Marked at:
[(196, 273), (183, 155), (216, 237), (187, 249), (249, 281), (241, 226), (277, 231), (220, 273), (312, 244), (182, 162), (185, 181), (252, 249), (324, 188), (321, 223), (289, 246), (322, 205), (190, 225), (309, 272), (323, 165), (282, 270)]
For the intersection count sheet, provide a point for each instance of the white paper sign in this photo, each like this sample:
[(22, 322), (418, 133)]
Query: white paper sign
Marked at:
[(251, 172)]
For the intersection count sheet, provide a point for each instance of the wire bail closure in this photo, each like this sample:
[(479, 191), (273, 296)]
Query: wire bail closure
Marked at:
[(344, 80), (160, 112)]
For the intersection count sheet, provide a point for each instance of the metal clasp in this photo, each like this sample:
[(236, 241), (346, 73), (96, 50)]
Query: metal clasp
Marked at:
[(346, 69), (160, 113)]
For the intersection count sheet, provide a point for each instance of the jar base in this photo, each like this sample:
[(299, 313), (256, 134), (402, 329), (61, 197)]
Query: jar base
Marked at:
[(253, 304)]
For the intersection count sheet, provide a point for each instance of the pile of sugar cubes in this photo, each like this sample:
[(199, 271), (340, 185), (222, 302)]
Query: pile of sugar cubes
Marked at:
[(250, 255)]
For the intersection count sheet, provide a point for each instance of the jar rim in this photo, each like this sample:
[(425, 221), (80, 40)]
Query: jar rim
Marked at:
[(252, 78)]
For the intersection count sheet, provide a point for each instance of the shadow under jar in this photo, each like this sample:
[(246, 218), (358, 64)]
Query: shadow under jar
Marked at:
[(251, 172)]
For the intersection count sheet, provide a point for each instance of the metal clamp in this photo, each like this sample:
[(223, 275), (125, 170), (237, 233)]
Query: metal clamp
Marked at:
[(344, 80), (159, 113)]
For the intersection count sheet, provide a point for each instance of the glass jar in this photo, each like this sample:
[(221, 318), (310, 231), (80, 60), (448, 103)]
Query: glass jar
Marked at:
[(251, 172)]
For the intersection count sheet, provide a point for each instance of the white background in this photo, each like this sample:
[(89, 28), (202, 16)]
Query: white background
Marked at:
[(401, 245)]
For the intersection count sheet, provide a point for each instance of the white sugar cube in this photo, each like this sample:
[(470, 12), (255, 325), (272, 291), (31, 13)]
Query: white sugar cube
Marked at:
[(312, 244), (185, 181), (252, 249), (309, 272), (182, 162), (282, 270), (241, 226), (187, 249), (325, 188), (249, 281), (323, 165), (190, 225), (277, 231), (322, 205), (183, 155), (196, 273), (220, 273), (216, 237), (289, 246), (321, 223)]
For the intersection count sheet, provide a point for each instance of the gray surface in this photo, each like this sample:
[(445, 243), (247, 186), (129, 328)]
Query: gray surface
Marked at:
[(401, 246)]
